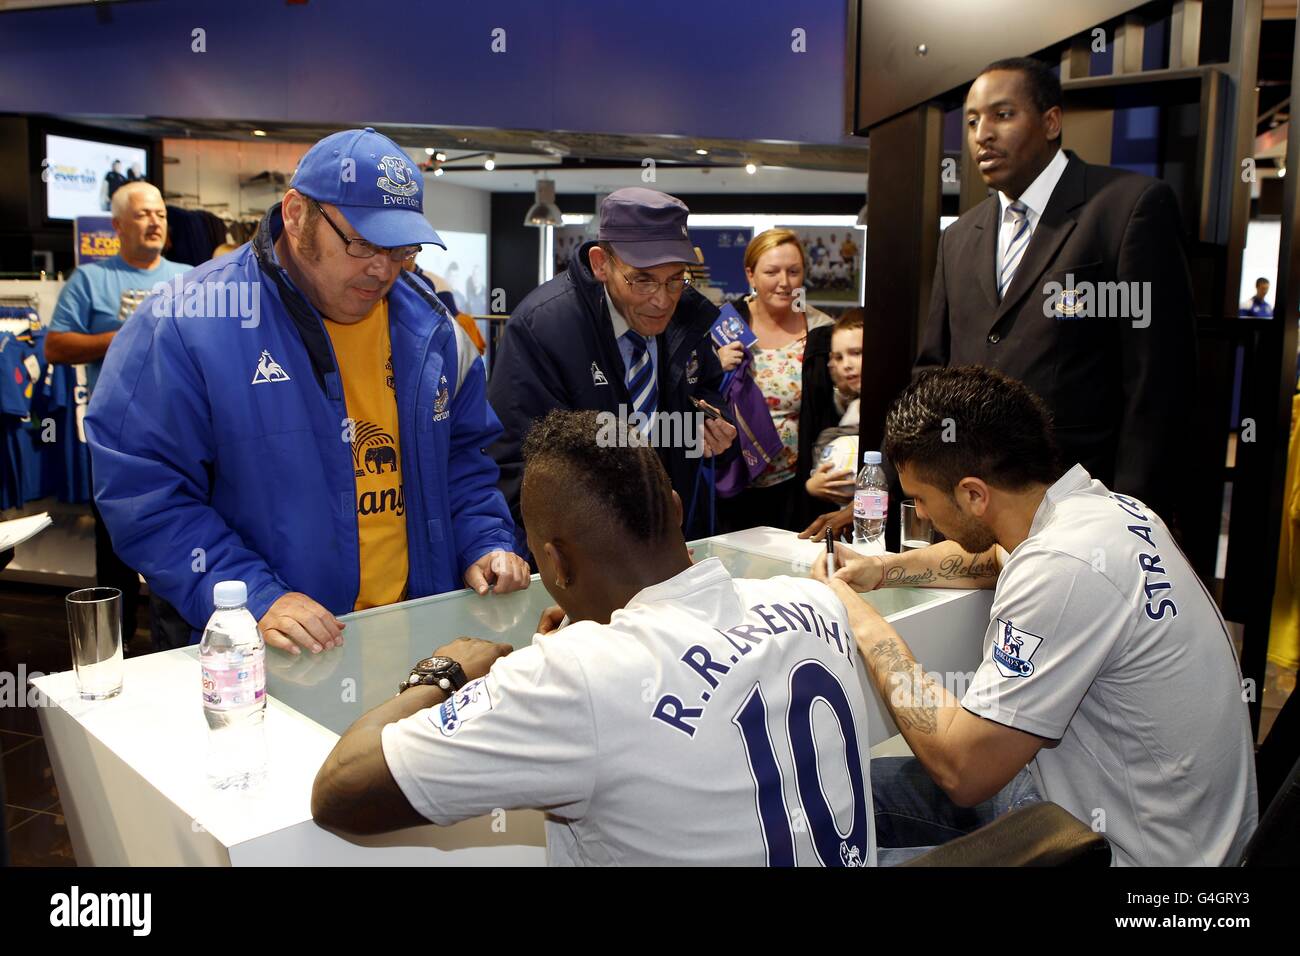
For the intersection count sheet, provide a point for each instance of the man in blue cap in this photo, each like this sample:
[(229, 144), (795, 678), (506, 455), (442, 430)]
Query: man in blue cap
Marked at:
[(620, 331), (303, 416)]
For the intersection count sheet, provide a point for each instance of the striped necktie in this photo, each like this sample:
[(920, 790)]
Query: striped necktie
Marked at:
[(641, 377), (1015, 223)]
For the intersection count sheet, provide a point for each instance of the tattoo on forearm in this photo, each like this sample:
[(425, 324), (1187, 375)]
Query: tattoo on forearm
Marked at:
[(955, 566), (912, 697), (899, 577)]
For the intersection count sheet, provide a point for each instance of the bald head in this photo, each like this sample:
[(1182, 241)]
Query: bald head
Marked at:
[(140, 218)]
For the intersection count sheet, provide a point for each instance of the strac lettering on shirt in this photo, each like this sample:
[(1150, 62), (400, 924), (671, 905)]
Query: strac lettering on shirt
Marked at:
[(1159, 591)]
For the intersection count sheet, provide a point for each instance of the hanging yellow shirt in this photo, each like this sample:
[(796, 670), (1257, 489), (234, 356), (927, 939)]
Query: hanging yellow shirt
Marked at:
[(365, 360)]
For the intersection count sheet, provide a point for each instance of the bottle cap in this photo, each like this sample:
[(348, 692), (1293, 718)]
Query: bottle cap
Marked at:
[(230, 594), (871, 458)]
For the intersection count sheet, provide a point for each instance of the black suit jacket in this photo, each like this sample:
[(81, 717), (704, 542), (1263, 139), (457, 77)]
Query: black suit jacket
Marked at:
[(1118, 388)]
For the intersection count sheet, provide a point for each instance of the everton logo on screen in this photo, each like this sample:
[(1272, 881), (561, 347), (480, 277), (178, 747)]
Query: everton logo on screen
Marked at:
[(397, 177), (1012, 650)]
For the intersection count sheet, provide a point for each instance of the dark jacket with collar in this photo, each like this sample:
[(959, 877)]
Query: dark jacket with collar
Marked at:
[(1117, 387), (558, 351)]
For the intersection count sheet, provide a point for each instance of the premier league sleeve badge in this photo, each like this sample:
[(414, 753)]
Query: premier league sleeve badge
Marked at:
[(1013, 650)]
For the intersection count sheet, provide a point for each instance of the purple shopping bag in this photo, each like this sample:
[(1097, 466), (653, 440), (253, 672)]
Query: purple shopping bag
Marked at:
[(758, 438)]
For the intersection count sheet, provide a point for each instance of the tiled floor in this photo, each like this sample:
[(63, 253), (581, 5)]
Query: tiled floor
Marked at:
[(33, 635)]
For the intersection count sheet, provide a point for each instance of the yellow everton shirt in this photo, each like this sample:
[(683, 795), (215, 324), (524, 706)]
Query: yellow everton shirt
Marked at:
[(365, 360)]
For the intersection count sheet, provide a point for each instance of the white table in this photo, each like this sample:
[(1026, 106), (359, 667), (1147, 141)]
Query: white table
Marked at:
[(130, 770)]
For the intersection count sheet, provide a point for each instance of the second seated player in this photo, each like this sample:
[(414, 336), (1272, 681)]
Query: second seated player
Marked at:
[(1107, 670), (683, 717)]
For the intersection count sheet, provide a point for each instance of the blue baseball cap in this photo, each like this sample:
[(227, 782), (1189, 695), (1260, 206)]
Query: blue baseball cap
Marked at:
[(373, 182)]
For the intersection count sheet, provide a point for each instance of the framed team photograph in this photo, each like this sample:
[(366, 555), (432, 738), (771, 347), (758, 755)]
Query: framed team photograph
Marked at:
[(836, 256)]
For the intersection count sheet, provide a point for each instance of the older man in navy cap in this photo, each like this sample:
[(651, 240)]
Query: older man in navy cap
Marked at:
[(303, 416), (621, 332)]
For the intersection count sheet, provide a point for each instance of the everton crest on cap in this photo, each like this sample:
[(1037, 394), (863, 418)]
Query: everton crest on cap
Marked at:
[(373, 183)]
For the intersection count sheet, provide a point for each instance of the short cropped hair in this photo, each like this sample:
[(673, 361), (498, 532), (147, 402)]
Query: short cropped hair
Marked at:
[(121, 200), (853, 318), (1044, 85), (626, 481), (971, 421)]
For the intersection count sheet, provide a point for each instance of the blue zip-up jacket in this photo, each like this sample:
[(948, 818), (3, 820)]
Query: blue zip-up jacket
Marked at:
[(203, 475)]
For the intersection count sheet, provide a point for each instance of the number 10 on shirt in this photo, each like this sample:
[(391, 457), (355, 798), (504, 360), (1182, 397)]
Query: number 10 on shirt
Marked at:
[(810, 682)]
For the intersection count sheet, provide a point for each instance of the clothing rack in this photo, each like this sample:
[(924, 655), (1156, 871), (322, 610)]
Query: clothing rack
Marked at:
[(20, 313)]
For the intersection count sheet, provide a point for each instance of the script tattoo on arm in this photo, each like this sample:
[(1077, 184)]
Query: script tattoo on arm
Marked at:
[(913, 698), (955, 566), (900, 578)]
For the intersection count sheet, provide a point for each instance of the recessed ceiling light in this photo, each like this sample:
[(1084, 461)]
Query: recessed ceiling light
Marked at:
[(428, 151), (440, 156), (438, 171), (259, 132), (751, 168), (490, 163), (701, 152)]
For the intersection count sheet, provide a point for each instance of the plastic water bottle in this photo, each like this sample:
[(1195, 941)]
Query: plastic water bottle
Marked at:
[(870, 500), (233, 659)]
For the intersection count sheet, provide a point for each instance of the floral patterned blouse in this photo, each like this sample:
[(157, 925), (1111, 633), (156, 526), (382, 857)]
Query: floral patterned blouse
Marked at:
[(779, 375)]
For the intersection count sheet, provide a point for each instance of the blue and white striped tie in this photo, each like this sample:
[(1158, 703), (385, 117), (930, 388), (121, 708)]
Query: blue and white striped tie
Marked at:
[(1016, 222), (641, 378)]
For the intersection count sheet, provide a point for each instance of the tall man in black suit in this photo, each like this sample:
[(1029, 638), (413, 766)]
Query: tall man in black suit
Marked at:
[(1071, 278)]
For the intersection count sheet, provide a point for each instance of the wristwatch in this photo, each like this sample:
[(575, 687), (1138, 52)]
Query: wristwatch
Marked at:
[(440, 672)]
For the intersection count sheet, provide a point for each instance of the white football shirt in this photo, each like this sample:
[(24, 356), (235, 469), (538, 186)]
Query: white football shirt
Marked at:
[(1102, 639), (713, 721)]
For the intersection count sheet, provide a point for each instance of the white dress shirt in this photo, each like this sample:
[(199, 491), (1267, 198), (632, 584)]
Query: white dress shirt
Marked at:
[(1035, 199)]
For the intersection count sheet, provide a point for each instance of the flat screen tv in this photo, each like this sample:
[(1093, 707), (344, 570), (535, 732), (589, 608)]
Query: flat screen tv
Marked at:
[(81, 174)]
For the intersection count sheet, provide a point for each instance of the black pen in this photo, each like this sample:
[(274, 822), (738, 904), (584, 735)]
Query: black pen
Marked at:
[(830, 554)]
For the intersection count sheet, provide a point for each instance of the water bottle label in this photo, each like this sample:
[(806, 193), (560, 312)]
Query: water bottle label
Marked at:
[(227, 686), (870, 505)]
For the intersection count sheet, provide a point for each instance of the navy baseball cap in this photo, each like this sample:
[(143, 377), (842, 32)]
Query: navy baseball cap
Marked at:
[(373, 182), (646, 227)]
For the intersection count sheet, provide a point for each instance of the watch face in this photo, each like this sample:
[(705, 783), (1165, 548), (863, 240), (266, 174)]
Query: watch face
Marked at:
[(433, 664)]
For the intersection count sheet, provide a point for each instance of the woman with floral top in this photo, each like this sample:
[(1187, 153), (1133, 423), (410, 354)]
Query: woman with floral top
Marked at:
[(790, 366)]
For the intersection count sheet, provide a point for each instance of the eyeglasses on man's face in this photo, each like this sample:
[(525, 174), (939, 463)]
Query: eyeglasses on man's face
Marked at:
[(645, 287), (359, 248)]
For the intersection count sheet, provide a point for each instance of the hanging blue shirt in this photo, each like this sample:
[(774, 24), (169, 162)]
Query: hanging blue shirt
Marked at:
[(100, 296)]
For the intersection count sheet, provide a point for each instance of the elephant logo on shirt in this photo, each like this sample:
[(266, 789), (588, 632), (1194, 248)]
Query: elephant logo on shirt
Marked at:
[(372, 449), (379, 457)]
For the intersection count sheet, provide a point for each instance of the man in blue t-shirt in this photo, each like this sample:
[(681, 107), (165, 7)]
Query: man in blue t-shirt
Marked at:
[(97, 299)]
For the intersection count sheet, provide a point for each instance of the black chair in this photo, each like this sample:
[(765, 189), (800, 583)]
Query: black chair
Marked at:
[(1279, 751), (1041, 834), (4, 836), (1276, 841)]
